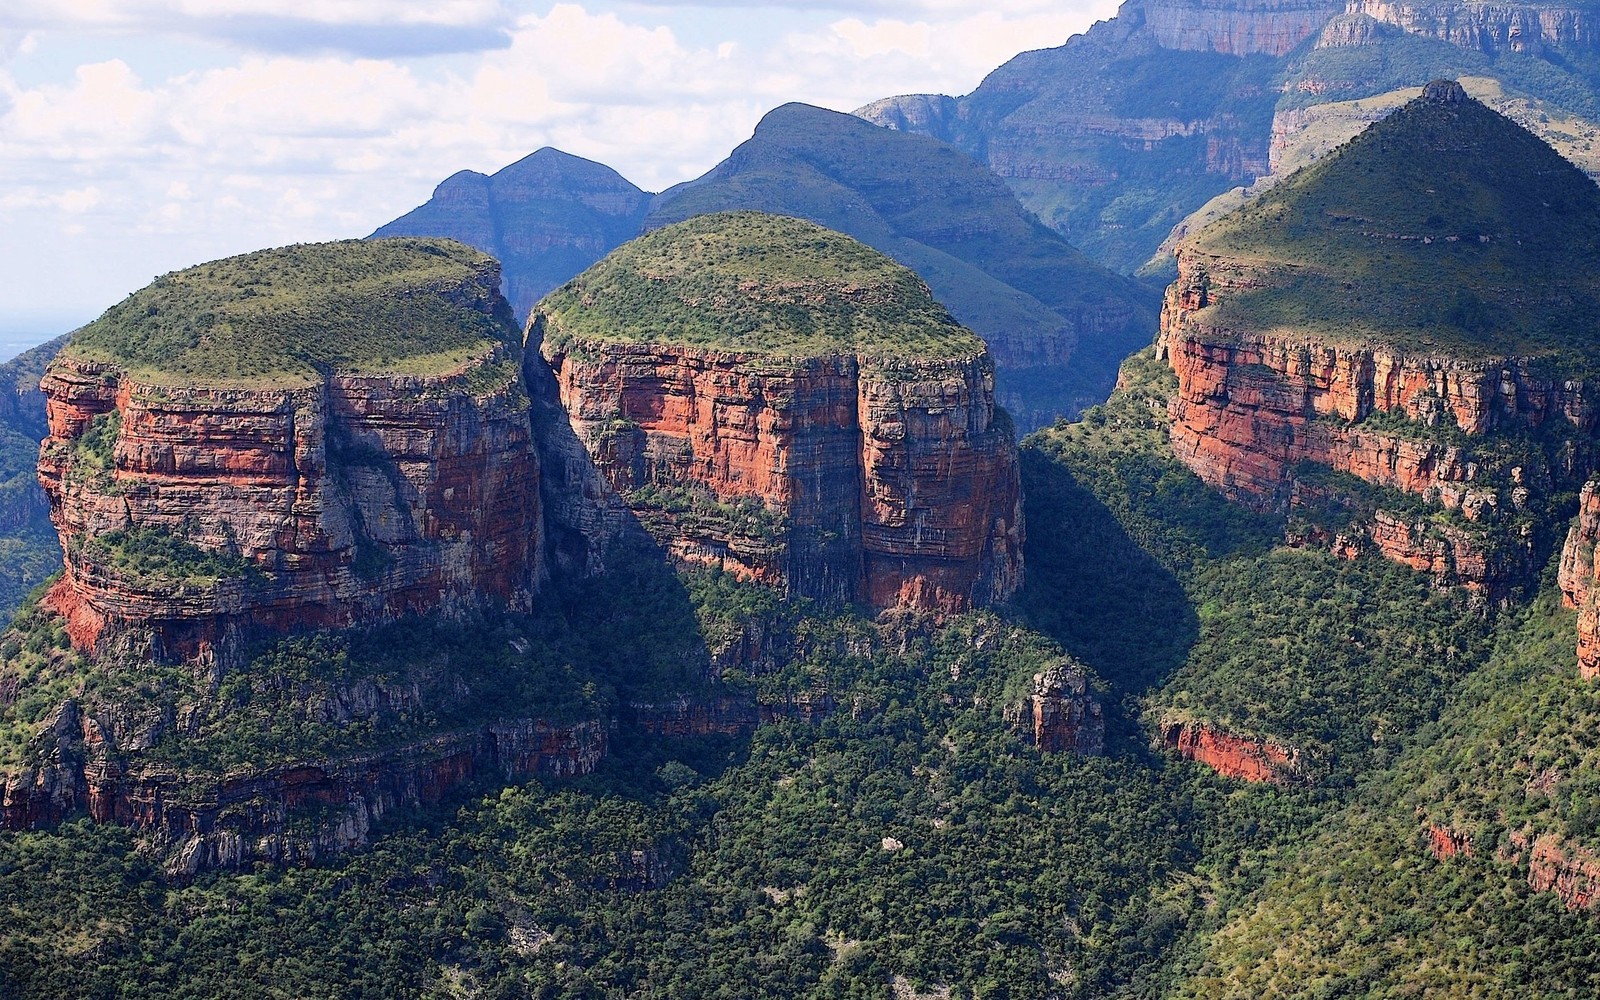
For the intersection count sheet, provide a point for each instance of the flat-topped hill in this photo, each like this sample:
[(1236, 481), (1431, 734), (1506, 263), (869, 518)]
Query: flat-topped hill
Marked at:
[(753, 283), (1444, 228), (401, 306)]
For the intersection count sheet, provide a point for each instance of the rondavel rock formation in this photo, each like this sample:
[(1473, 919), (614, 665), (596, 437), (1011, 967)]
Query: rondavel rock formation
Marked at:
[(372, 460), (1298, 355), (341, 436), (806, 444)]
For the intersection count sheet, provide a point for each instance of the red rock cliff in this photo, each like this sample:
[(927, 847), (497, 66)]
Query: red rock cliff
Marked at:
[(1580, 578), (895, 485), (351, 499), (1252, 405)]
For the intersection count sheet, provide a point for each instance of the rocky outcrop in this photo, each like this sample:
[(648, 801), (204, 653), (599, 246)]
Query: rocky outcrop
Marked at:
[(893, 485), (1570, 871), (1492, 28), (1231, 755), (1446, 842), (1059, 713), (1252, 406), (1579, 578), (354, 499), (1234, 27), (292, 814)]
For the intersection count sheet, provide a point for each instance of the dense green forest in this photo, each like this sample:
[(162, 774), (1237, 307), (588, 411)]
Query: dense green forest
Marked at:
[(912, 839)]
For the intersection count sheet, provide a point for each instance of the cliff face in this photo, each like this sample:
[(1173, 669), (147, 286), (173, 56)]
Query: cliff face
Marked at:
[(316, 436), (1230, 755), (352, 500), (1492, 27), (1347, 341), (249, 816), (835, 478), (1274, 27), (1252, 406), (1059, 713), (780, 401), (1579, 578)]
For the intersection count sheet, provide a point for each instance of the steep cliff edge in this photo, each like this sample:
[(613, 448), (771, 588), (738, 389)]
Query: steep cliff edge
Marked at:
[(784, 403), (305, 438), (1375, 318), (1579, 578)]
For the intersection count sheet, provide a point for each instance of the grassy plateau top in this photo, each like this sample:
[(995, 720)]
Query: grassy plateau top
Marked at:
[(759, 284), (1444, 227), (396, 306)]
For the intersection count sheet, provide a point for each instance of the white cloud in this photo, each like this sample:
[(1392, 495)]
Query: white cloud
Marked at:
[(284, 144)]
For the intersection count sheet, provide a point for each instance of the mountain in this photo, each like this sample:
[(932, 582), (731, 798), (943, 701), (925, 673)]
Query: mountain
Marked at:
[(1126, 130), (784, 403), (545, 217), (1407, 325), (1057, 323), (29, 551)]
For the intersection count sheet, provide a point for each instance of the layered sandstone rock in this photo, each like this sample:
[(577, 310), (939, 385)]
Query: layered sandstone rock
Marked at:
[(1058, 713), (1231, 755), (201, 823), (1476, 418), (838, 471), (1580, 578), (1234, 27), (1492, 27), (334, 499)]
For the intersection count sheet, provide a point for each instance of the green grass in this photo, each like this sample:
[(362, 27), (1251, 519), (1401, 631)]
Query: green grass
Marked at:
[(759, 284), (1443, 228), (403, 306)]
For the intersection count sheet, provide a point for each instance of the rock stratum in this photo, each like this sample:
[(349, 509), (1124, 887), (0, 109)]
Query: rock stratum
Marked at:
[(1367, 334), (318, 488), (784, 403)]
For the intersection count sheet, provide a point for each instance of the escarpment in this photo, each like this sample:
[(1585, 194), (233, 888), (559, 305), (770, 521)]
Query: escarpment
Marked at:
[(195, 503), (784, 403), (1353, 340)]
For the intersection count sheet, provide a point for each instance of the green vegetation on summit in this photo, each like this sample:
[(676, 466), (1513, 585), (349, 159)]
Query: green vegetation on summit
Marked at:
[(401, 306), (1444, 227), (755, 283)]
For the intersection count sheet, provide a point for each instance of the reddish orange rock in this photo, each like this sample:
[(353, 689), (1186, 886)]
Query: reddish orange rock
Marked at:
[(1232, 756), (1579, 573), (893, 484), (353, 499)]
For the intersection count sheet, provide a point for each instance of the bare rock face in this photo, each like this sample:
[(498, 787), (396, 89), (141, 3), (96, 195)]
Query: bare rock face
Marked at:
[(1253, 405), (197, 824), (1235, 27), (832, 478), (1492, 27), (1059, 713), (193, 512), (1231, 755), (1580, 578), (832, 470)]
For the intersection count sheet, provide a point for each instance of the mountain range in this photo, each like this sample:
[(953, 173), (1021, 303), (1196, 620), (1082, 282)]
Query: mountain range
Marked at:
[(707, 626)]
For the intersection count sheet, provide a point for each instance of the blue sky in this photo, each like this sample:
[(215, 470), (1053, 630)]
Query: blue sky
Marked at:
[(141, 136)]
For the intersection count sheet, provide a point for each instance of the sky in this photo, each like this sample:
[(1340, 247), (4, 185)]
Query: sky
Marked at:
[(138, 137)]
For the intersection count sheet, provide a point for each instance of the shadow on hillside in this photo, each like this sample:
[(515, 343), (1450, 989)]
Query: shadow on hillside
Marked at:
[(1092, 588)]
